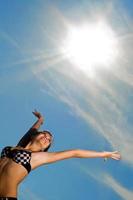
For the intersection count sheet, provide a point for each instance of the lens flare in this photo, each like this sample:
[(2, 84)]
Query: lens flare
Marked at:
[(91, 46)]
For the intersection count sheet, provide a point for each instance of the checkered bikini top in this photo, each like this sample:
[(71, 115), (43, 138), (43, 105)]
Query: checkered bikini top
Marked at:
[(20, 156)]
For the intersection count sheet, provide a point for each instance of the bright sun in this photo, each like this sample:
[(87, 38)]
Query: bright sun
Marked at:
[(91, 46)]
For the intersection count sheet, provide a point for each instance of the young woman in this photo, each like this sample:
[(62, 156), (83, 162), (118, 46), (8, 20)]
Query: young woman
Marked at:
[(30, 153)]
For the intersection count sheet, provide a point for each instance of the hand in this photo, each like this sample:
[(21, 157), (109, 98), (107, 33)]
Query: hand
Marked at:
[(38, 115), (114, 155)]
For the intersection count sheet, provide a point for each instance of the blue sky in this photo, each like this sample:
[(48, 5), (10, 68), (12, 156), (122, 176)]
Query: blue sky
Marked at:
[(81, 112)]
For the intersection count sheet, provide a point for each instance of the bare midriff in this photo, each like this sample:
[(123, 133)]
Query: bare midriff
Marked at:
[(11, 174)]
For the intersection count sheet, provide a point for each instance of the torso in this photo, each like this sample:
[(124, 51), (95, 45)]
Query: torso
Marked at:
[(11, 174)]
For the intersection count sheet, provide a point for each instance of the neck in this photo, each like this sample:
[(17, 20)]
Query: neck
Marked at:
[(33, 147)]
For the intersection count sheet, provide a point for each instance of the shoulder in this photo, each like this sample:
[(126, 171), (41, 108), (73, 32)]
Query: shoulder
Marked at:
[(5, 151), (41, 158), (6, 147)]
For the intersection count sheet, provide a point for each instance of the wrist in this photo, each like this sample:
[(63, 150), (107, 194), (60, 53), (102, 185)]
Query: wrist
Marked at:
[(41, 120), (106, 155), (103, 154)]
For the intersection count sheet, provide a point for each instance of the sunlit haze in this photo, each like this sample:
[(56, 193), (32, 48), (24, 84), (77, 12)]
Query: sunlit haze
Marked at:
[(90, 46)]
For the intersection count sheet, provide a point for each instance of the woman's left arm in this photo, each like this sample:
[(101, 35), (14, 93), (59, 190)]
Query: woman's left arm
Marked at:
[(41, 158)]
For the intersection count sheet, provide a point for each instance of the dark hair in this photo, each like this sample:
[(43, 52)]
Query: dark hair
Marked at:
[(45, 150), (30, 136)]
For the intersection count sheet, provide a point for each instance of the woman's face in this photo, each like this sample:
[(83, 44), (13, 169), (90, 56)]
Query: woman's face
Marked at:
[(44, 139)]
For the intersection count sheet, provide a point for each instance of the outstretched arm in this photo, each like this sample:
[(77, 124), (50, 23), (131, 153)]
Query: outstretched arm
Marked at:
[(41, 158), (32, 131)]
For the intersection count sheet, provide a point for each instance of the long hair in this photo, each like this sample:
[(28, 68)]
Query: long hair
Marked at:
[(30, 136)]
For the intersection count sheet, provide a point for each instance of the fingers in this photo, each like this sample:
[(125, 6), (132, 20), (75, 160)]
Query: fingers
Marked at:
[(115, 152), (116, 155), (36, 113), (115, 158)]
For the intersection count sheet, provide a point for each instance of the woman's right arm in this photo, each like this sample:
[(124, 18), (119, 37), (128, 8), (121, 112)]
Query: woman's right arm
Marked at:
[(32, 131), (39, 122), (41, 158)]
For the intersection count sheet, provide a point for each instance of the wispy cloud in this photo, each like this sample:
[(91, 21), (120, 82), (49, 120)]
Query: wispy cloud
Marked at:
[(117, 187), (107, 180), (104, 102), (103, 110), (4, 35), (26, 193)]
